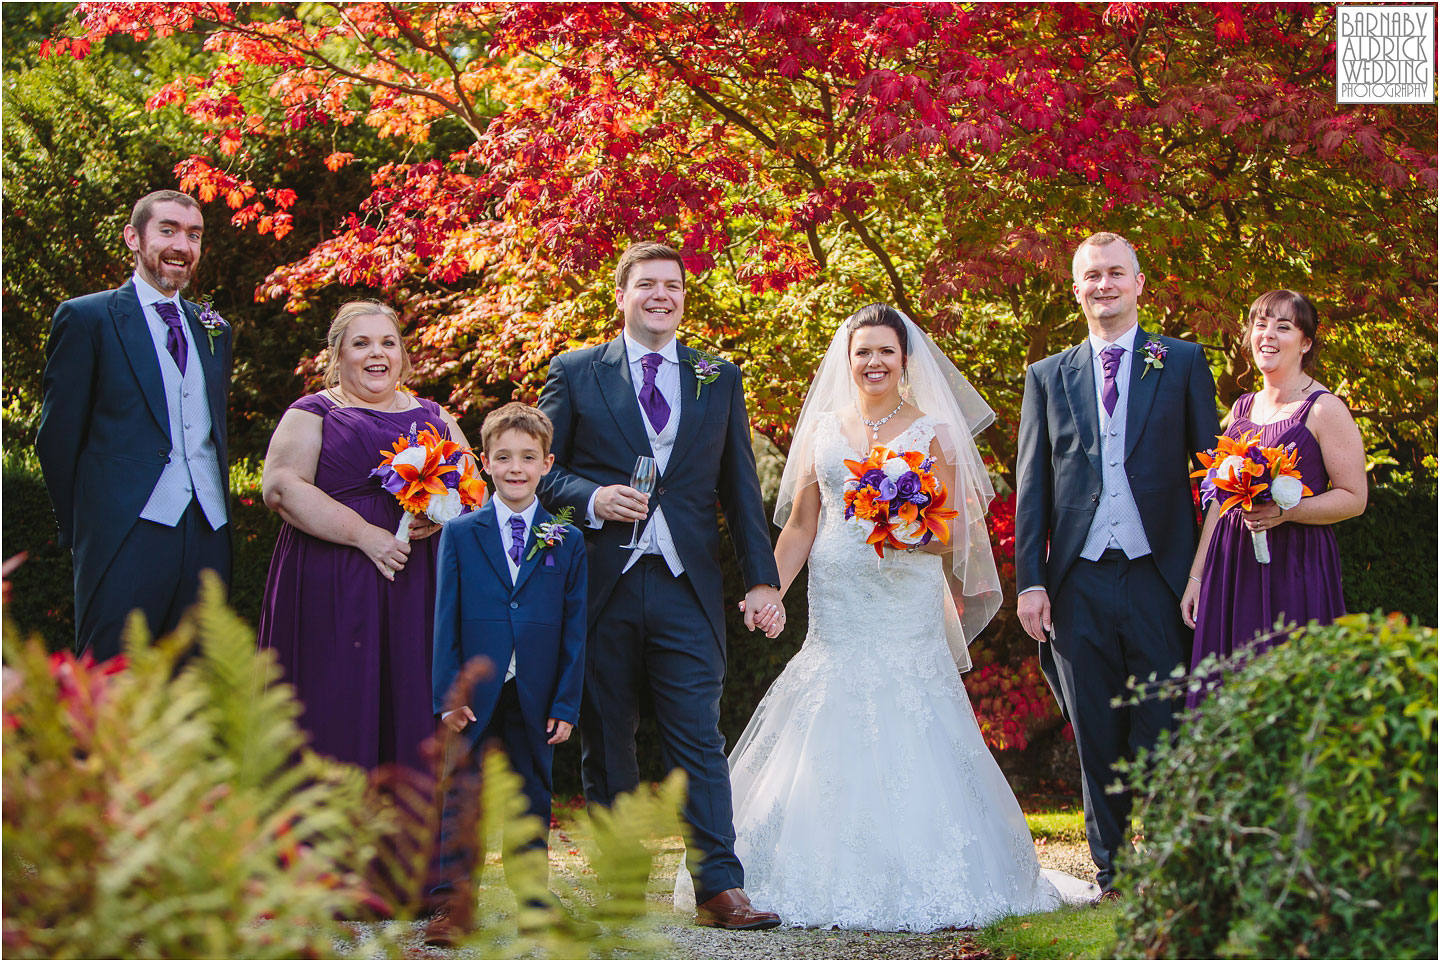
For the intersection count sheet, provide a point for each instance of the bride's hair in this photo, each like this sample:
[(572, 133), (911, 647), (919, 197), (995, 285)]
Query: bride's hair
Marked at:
[(878, 315)]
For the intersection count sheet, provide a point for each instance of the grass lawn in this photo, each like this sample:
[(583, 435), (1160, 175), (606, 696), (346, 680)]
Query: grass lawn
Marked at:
[(1077, 932)]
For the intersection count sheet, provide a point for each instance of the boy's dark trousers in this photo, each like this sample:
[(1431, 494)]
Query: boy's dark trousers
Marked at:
[(530, 758)]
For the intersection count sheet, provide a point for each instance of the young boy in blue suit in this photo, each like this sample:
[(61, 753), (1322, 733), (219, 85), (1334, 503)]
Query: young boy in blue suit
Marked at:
[(511, 584)]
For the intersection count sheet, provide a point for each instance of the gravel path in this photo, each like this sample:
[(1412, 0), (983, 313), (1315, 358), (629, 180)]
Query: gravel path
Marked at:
[(694, 942)]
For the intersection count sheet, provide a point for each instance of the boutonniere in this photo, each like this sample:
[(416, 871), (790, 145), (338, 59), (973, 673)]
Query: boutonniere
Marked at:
[(707, 369), (214, 324), (1154, 353), (550, 533)]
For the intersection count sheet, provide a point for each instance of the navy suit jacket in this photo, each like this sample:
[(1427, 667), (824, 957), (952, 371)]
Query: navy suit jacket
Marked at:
[(541, 618), (590, 398), (104, 432), (1170, 415)]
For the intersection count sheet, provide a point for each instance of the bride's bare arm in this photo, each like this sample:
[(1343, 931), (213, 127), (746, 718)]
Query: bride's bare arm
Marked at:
[(792, 549)]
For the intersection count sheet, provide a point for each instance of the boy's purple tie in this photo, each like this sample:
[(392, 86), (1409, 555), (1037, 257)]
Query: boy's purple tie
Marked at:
[(1110, 393), (656, 408), (517, 537), (175, 338)]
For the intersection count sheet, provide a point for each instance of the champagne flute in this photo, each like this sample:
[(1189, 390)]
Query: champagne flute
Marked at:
[(642, 479)]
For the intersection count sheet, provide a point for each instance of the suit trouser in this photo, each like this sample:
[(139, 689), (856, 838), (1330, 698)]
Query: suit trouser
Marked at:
[(653, 633), (529, 756), (157, 570), (1114, 618)]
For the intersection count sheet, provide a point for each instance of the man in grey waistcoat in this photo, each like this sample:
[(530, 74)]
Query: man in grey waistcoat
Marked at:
[(132, 438)]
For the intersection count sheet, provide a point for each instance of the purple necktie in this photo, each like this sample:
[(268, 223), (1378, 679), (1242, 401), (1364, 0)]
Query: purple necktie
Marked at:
[(656, 408), (1110, 394), (175, 338), (517, 537)]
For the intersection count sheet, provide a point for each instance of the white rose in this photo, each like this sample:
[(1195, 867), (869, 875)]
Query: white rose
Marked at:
[(1287, 491), (413, 456), (895, 467), (1230, 467), (444, 507), (909, 534)]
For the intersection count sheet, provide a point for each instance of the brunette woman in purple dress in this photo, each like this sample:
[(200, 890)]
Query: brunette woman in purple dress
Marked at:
[(1232, 601), (348, 608)]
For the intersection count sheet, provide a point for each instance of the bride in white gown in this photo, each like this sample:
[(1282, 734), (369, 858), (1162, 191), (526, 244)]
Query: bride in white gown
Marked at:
[(864, 793)]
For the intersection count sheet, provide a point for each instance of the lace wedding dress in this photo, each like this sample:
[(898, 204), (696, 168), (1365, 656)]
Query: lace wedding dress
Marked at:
[(865, 796)]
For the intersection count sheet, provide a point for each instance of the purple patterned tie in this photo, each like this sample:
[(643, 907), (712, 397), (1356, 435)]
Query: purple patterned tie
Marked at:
[(656, 408), (517, 537), (175, 338), (1110, 394)]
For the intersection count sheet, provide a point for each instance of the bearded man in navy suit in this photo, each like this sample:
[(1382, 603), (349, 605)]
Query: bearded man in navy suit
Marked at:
[(656, 613), (132, 438), (1105, 525)]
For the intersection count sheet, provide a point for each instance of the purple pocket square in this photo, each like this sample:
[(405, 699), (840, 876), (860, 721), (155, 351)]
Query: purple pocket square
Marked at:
[(549, 561)]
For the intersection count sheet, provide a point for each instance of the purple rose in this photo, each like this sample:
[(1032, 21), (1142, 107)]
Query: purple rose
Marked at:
[(887, 490), (873, 478), (389, 480), (908, 484)]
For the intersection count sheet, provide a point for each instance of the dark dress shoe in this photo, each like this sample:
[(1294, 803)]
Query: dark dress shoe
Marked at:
[(1109, 895), (731, 909), (442, 932)]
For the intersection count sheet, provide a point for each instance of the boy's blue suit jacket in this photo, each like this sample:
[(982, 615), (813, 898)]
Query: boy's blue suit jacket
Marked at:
[(541, 618)]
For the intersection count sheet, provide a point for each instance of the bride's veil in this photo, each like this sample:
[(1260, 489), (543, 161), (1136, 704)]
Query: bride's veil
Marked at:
[(941, 391)]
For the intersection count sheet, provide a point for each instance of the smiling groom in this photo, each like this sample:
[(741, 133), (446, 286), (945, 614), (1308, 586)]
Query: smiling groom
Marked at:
[(1104, 522), (656, 612)]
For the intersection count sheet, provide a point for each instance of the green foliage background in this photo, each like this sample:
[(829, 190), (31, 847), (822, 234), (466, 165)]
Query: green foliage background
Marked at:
[(1295, 816)]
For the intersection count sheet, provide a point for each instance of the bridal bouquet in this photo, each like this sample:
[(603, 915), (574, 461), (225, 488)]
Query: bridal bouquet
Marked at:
[(900, 497), (429, 475), (1251, 475)]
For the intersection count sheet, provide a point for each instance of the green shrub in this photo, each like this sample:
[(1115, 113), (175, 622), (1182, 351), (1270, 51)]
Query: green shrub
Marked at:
[(1387, 555), (1294, 815), (161, 805)]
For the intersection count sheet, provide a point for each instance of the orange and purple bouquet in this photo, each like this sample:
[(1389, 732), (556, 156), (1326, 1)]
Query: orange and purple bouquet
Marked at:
[(1244, 474), (900, 497), (429, 475)]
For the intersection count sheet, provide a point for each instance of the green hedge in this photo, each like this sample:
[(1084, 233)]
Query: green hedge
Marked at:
[(1294, 815)]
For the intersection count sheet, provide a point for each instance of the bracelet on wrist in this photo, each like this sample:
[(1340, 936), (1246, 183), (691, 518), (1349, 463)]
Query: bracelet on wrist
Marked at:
[(1195, 579)]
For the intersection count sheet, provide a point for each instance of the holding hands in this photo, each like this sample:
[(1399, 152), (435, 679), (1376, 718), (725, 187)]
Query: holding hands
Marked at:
[(764, 610)]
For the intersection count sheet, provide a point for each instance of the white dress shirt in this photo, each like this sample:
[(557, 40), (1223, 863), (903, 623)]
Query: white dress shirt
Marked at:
[(655, 537), (503, 514)]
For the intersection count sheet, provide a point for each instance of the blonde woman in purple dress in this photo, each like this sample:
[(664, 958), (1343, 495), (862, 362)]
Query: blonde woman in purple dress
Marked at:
[(1232, 601), (348, 608)]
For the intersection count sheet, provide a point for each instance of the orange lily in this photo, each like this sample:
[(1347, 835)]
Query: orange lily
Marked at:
[(1242, 485), (1285, 463), (1227, 447), (425, 480)]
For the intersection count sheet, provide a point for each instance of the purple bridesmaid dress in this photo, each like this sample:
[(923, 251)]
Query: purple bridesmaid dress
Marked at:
[(356, 646), (1240, 598)]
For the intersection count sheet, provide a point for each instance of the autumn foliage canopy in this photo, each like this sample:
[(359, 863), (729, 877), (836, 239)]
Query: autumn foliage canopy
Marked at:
[(808, 158)]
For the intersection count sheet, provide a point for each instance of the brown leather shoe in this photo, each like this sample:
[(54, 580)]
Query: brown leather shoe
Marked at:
[(442, 932), (731, 909), (1109, 895)]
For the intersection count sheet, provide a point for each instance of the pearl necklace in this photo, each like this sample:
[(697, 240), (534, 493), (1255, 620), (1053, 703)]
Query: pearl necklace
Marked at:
[(875, 426)]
